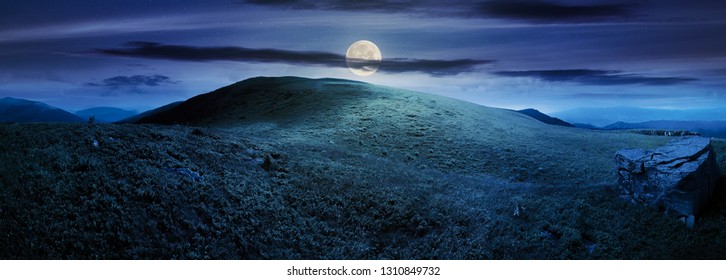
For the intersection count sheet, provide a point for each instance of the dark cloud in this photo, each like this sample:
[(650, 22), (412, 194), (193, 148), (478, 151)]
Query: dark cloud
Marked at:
[(529, 10), (549, 12), (432, 67), (134, 81), (191, 53), (596, 77)]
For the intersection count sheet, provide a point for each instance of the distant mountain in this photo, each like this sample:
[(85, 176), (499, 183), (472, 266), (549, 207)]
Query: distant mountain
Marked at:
[(537, 115), (105, 114), (585, 126), (144, 114), (705, 128), (600, 117), (22, 110)]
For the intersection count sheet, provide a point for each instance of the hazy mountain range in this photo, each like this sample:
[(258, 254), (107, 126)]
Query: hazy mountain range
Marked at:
[(23, 110), (706, 122), (601, 117), (704, 128), (106, 114)]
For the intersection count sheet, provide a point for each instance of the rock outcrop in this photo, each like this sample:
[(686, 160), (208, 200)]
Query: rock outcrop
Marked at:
[(678, 178), (660, 132)]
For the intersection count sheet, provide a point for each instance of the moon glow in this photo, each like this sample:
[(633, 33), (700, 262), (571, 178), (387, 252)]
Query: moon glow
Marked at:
[(363, 58)]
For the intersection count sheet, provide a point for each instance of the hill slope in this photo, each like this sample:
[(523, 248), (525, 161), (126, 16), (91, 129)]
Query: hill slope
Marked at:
[(21, 110), (422, 129), (537, 115), (135, 118)]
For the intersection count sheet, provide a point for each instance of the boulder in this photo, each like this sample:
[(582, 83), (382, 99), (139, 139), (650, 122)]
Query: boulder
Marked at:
[(678, 178)]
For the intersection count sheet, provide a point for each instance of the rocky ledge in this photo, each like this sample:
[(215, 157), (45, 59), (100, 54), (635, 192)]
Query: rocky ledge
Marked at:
[(678, 178)]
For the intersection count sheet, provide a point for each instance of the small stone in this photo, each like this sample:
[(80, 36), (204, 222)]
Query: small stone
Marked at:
[(590, 247), (690, 221), (519, 211), (267, 163)]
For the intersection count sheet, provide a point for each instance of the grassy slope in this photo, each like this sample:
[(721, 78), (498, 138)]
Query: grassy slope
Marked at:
[(354, 172), (427, 130)]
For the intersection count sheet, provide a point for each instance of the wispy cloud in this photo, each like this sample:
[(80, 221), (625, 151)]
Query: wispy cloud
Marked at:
[(123, 25), (193, 53), (134, 81), (596, 77)]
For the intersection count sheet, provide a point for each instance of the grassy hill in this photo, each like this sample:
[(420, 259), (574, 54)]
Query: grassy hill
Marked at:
[(425, 130), (293, 168)]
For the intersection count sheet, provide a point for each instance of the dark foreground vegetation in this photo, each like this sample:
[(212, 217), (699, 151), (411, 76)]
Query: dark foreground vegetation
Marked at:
[(78, 191)]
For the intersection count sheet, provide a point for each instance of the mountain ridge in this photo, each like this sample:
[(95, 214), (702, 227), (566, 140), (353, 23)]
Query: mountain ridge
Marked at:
[(23, 110), (602, 116), (704, 128)]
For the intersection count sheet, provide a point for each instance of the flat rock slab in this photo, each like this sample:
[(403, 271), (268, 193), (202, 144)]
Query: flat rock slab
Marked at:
[(678, 178)]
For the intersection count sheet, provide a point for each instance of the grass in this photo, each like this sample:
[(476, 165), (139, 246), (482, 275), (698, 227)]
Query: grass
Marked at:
[(64, 198)]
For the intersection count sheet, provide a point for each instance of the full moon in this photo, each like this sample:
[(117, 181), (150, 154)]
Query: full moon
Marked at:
[(363, 58)]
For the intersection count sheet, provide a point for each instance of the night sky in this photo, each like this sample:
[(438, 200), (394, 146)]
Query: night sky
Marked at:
[(551, 55)]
